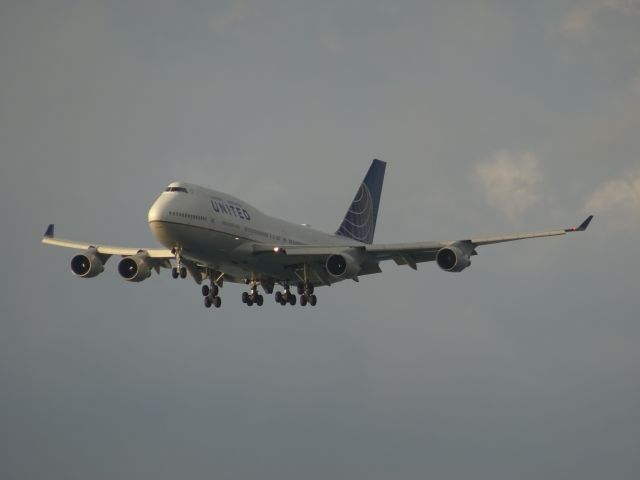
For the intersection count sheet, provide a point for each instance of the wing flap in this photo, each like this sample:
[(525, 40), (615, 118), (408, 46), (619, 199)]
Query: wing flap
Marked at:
[(405, 260)]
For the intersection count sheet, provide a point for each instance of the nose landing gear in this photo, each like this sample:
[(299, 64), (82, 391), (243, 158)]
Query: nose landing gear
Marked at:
[(179, 270)]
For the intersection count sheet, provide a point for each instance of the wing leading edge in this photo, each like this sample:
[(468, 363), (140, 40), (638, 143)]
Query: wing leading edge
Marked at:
[(551, 233), (50, 239)]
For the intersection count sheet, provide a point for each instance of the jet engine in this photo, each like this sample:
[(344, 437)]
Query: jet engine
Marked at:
[(452, 259), (342, 265), (135, 268), (87, 264)]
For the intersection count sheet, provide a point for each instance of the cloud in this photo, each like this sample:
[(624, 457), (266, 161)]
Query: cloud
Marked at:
[(232, 17), (621, 194), (510, 181), (577, 21)]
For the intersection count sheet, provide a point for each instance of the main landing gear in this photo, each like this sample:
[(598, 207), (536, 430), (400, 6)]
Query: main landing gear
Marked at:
[(210, 294), (252, 296), (305, 290), (285, 297)]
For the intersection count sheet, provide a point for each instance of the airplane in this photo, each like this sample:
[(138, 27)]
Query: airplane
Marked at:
[(217, 238)]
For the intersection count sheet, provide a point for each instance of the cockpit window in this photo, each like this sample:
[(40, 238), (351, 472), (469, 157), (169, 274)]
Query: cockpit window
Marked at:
[(175, 189)]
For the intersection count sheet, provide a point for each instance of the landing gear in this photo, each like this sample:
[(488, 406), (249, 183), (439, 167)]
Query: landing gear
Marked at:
[(305, 290), (213, 290), (215, 301), (252, 296), (179, 270), (285, 296), (210, 294)]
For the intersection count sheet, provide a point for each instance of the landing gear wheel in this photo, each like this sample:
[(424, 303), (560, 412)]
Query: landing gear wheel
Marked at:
[(245, 297), (205, 290), (313, 300), (278, 297), (259, 300), (214, 290), (183, 272), (303, 300), (174, 272), (300, 288), (292, 299), (207, 302), (217, 301), (310, 288), (249, 301)]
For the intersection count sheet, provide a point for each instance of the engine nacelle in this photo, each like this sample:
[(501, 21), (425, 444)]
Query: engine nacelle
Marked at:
[(134, 268), (452, 259), (87, 265), (342, 266)]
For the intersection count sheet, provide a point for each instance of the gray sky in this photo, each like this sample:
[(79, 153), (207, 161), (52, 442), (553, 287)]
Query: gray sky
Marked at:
[(493, 116)]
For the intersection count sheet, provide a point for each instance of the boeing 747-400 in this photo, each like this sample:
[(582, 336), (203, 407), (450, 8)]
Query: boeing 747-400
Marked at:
[(216, 238)]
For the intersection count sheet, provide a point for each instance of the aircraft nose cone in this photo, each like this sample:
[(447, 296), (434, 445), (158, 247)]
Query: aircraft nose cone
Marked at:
[(156, 212)]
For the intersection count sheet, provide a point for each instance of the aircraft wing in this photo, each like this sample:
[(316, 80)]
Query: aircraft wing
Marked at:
[(157, 253), (409, 254)]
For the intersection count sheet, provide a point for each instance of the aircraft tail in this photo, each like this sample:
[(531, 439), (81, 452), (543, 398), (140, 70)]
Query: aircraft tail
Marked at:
[(360, 220)]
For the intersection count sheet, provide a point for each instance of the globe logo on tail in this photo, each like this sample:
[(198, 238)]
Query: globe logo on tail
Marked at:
[(359, 222)]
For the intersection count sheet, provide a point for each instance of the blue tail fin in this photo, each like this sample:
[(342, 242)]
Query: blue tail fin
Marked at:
[(360, 221)]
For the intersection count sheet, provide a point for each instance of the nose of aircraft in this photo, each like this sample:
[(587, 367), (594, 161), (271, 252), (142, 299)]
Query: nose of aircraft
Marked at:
[(157, 218), (158, 210)]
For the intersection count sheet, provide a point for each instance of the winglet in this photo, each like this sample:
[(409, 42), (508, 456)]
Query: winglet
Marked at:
[(49, 232), (583, 226)]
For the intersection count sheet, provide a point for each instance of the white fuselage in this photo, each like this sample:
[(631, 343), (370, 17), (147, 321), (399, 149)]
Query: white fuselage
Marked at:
[(220, 230)]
